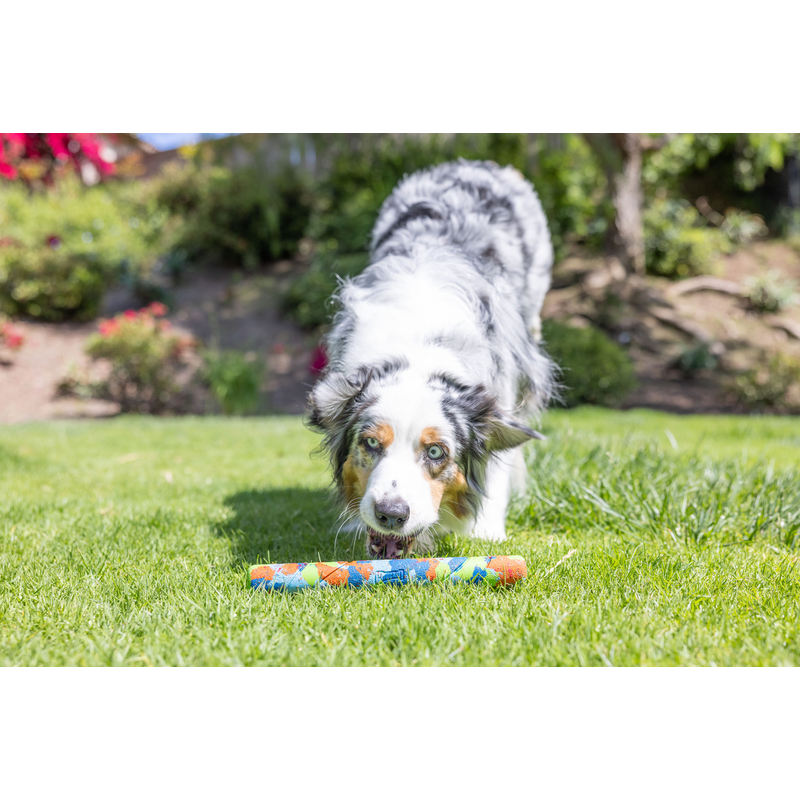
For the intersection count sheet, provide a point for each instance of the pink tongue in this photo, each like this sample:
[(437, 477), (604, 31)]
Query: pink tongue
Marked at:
[(391, 548)]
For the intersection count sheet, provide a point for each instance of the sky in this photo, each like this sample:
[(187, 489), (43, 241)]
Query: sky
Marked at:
[(169, 141)]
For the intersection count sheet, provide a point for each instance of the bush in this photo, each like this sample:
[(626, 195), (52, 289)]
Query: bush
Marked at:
[(572, 188), (595, 370), (695, 358), (51, 286), (61, 249), (770, 292), (234, 379), (773, 384), (245, 215), (678, 241), (145, 360)]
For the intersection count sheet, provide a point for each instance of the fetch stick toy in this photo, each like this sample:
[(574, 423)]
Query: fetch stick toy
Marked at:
[(494, 570)]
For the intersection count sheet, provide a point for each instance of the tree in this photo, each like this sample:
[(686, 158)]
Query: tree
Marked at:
[(40, 157), (621, 156)]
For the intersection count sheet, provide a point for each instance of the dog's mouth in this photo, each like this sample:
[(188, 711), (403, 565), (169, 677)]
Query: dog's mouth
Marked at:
[(384, 545)]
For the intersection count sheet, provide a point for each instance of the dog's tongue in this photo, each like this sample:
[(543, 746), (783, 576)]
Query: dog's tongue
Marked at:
[(392, 548), (387, 546)]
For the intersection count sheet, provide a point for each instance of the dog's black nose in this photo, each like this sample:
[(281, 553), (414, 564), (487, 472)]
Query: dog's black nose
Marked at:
[(392, 513)]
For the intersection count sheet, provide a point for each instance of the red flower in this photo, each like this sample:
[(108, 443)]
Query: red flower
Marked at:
[(108, 327), (12, 339), (59, 145), (130, 314), (6, 170), (157, 309)]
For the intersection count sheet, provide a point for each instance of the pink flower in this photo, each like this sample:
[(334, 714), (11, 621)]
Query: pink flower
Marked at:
[(319, 360), (12, 339), (130, 314), (108, 327), (58, 144), (157, 309)]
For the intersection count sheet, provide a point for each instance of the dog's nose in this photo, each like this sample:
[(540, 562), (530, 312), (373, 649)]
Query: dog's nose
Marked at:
[(392, 513)]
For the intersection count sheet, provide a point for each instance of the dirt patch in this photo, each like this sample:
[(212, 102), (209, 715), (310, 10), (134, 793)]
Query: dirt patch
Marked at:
[(221, 307)]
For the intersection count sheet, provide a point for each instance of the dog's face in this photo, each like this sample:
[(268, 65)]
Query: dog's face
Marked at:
[(409, 450)]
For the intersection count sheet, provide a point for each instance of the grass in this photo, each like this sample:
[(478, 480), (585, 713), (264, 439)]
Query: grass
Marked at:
[(650, 539)]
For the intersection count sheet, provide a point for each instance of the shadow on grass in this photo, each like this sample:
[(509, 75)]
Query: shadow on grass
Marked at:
[(284, 525)]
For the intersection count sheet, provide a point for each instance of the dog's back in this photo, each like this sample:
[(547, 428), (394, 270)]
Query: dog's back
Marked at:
[(489, 212)]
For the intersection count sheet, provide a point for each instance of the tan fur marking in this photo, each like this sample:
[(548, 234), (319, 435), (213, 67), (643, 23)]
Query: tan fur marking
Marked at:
[(455, 496), (354, 480), (437, 488), (383, 432), (430, 436)]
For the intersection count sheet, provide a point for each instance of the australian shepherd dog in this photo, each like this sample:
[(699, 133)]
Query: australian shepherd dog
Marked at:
[(433, 351)]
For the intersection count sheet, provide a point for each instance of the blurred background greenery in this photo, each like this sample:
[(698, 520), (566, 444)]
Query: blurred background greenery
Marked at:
[(285, 216)]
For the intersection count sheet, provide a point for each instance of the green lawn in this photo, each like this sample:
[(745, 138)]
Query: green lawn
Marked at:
[(650, 539)]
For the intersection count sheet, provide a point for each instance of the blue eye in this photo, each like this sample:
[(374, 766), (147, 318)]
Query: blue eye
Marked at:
[(435, 452)]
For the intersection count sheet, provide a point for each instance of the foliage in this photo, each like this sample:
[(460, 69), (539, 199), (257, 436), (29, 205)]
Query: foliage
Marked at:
[(678, 241), (573, 191), (51, 286), (743, 228), (244, 215), (696, 358), (595, 370), (770, 292), (60, 249), (145, 361), (234, 379), (349, 199), (40, 157), (774, 383), (752, 155), (124, 545)]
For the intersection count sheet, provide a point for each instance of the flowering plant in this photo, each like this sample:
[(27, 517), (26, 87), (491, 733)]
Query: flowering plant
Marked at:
[(146, 360), (10, 338), (41, 156)]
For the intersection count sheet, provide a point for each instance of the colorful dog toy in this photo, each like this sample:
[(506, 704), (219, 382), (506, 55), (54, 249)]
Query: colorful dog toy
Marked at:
[(494, 570)]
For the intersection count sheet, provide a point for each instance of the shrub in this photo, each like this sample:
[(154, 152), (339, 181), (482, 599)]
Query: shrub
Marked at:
[(595, 370), (770, 292), (61, 249), (742, 228), (696, 358), (234, 379), (773, 384), (678, 242), (245, 215), (145, 360), (50, 285)]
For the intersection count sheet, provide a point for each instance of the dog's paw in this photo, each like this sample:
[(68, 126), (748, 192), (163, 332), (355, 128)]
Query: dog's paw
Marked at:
[(490, 533)]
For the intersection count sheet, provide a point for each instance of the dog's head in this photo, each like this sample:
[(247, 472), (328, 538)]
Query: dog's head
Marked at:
[(409, 449)]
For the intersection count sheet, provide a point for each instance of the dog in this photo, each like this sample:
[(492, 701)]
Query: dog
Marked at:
[(433, 348)]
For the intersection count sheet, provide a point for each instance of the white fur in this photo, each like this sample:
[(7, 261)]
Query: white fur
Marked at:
[(455, 288)]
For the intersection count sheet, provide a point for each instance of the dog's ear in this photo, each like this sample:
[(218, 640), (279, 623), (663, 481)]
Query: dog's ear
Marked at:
[(497, 429), (333, 398), (505, 432)]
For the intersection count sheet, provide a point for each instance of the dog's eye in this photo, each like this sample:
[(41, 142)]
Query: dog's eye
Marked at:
[(435, 452), (373, 443)]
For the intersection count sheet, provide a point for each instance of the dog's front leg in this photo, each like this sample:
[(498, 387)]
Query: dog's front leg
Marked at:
[(491, 520)]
